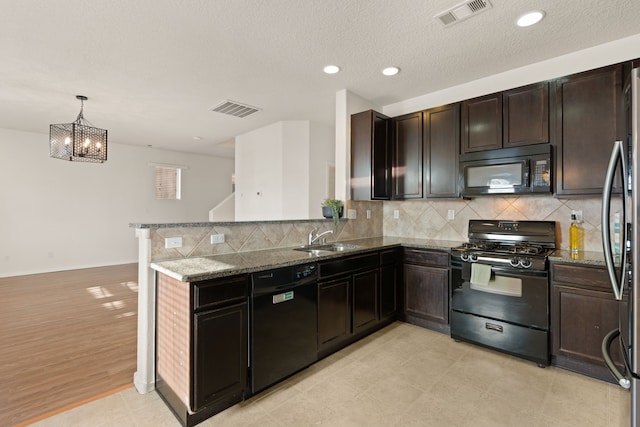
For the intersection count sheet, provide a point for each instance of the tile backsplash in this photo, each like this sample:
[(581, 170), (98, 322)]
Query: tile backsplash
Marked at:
[(416, 219), (253, 236), (429, 219)]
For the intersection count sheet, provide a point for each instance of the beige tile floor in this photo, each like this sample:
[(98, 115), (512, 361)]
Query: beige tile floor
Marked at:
[(402, 375)]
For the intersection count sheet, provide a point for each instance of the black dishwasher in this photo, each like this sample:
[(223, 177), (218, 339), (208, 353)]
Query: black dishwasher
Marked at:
[(284, 323)]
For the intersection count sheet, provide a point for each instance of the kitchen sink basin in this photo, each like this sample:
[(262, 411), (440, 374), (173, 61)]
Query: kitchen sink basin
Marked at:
[(332, 247)]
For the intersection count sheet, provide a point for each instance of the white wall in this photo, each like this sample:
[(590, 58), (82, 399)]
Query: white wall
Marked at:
[(258, 171), (321, 163), (296, 140), (58, 215), (277, 169)]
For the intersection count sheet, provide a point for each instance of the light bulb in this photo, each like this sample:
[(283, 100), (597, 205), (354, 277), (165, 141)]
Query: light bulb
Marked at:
[(391, 71), (331, 69), (87, 142), (67, 141), (98, 145), (530, 18)]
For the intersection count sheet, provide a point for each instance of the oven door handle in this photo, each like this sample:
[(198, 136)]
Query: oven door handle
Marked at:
[(617, 157), (494, 327)]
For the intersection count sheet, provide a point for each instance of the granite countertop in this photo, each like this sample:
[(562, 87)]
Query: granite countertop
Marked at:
[(585, 257), (209, 267)]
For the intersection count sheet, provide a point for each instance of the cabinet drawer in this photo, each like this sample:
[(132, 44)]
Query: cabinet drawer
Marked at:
[(216, 292), (390, 256), (581, 276), (432, 258), (348, 265)]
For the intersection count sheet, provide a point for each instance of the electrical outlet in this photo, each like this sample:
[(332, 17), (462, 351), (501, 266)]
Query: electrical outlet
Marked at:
[(217, 238), (173, 242), (451, 214), (368, 213), (578, 214), (396, 214), (351, 213)]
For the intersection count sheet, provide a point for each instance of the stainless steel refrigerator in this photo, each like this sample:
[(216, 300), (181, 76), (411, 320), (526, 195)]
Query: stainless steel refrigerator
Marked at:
[(624, 273)]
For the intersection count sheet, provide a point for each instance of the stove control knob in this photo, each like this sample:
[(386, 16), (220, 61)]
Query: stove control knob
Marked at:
[(526, 263), (513, 262), (464, 256), (473, 257)]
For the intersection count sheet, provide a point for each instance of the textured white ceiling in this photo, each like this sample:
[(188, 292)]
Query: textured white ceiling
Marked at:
[(153, 69)]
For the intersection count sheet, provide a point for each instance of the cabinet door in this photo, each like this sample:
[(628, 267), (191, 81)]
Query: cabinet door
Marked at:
[(526, 115), (370, 156), (407, 156), (220, 354), (426, 292), (441, 130), (482, 123), (365, 300), (589, 119), (388, 291), (334, 313), (580, 320), (381, 158)]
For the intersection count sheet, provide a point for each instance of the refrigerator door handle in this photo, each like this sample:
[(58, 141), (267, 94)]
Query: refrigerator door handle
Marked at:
[(623, 380), (617, 156)]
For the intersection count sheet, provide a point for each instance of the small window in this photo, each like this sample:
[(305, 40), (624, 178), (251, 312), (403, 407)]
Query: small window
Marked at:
[(168, 182)]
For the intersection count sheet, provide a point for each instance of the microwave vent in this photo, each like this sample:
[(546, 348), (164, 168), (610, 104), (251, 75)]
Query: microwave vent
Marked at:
[(462, 11)]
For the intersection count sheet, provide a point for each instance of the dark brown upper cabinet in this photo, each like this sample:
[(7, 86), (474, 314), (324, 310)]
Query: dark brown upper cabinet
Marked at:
[(370, 156), (407, 156), (589, 118), (441, 133), (481, 123), (507, 119), (525, 114)]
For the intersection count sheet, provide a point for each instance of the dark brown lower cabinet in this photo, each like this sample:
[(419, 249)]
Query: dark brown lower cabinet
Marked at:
[(426, 288), (220, 341), (334, 313), (390, 280), (201, 345), (583, 311), (349, 296), (365, 300), (347, 310)]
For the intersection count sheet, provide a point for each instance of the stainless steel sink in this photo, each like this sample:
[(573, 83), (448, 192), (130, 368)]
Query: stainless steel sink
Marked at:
[(332, 247)]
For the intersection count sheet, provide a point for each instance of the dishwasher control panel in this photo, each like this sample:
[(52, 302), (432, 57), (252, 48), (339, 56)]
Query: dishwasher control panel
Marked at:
[(282, 277), (304, 271)]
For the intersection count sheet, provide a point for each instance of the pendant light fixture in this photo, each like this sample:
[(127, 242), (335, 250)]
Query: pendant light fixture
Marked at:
[(78, 141)]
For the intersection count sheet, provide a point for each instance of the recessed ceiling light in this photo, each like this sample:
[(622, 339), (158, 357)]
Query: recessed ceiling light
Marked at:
[(530, 18), (331, 69), (391, 71)]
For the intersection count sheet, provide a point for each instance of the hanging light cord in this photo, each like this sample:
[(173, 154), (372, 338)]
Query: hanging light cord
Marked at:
[(81, 120)]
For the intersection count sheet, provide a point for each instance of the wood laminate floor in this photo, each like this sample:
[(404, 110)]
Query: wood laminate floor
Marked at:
[(65, 337)]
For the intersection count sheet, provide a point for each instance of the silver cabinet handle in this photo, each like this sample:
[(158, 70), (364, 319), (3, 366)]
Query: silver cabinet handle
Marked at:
[(617, 156)]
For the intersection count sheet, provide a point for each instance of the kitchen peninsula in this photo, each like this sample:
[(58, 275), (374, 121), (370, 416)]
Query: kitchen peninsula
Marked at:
[(182, 275)]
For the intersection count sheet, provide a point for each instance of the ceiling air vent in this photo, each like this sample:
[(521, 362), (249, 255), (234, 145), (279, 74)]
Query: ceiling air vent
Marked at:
[(236, 109), (462, 11)]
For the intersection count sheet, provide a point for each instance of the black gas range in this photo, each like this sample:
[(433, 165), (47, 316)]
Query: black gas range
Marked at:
[(516, 244), (500, 287)]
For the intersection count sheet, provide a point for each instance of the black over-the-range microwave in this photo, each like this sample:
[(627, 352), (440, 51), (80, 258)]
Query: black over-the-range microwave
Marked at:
[(518, 170)]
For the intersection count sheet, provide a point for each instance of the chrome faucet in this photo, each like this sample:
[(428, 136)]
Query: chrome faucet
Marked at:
[(313, 239)]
